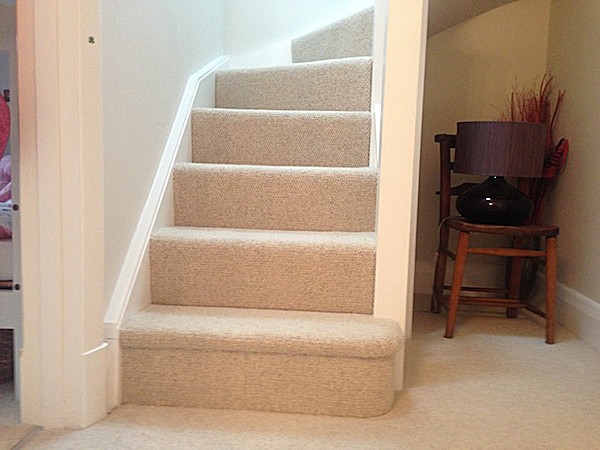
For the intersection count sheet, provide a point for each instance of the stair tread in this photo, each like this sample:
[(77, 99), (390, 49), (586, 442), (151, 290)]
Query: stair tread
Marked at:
[(262, 237), (303, 66), (278, 170), (261, 331), (291, 113)]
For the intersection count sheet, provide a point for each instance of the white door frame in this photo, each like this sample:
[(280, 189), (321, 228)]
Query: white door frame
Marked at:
[(63, 373), (404, 69)]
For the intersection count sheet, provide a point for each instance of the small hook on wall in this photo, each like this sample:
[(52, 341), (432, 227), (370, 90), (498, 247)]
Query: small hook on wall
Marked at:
[(6, 95)]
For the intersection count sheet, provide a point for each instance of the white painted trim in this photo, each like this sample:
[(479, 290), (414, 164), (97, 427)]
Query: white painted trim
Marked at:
[(139, 243), (399, 361), (132, 291), (579, 314), (400, 148), (576, 312), (62, 213), (375, 136), (379, 37)]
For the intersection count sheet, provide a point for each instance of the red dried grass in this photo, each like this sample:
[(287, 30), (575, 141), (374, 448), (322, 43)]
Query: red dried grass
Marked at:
[(535, 104)]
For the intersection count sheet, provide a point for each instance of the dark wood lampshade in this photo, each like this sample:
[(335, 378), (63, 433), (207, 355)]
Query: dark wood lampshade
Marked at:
[(513, 149)]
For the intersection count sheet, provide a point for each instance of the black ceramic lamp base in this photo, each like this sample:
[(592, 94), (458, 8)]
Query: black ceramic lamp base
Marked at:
[(495, 202)]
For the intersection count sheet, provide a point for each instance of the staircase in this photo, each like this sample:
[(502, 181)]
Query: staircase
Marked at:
[(262, 292)]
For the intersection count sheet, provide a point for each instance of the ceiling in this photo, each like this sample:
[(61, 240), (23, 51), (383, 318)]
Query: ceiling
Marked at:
[(444, 14)]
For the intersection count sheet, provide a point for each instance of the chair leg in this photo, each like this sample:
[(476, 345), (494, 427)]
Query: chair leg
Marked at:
[(457, 279), (440, 270), (514, 277), (551, 262)]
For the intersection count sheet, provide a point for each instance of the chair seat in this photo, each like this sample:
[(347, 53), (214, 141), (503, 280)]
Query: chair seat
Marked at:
[(539, 229)]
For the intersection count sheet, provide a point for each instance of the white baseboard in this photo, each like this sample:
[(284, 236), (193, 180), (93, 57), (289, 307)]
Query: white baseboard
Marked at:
[(574, 311), (126, 286), (580, 315), (399, 366), (132, 290)]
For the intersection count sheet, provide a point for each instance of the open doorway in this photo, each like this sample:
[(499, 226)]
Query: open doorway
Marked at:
[(10, 298)]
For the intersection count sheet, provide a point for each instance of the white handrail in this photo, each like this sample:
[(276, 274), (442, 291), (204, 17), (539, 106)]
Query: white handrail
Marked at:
[(134, 260)]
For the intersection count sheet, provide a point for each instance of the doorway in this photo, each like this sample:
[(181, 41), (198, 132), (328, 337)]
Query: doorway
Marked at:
[(10, 298)]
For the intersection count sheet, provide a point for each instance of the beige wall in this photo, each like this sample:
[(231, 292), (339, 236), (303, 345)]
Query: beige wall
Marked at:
[(574, 59), (150, 49), (471, 69)]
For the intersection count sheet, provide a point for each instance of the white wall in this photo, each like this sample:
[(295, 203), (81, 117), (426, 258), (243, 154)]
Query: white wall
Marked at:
[(150, 48), (470, 72), (258, 33)]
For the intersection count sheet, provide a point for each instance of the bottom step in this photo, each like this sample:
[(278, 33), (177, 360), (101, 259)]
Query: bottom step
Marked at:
[(227, 358)]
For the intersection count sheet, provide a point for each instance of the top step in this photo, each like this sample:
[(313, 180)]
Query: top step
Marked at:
[(333, 85), (349, 37)]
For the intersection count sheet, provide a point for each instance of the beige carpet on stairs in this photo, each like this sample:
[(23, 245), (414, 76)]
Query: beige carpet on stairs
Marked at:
[(275, 198), (304, 271), (281, 138), (305, 362), (262, 292), (332, 85)]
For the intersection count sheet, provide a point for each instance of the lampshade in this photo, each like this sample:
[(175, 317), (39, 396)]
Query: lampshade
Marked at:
[(514, 149)]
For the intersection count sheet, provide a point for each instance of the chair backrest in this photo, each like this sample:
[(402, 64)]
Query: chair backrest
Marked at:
[(447, 142)]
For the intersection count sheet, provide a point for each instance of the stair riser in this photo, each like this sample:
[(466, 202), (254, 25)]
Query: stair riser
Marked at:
[(234, 197), (334, 86), (264, 382), (326, 278), (281, 139)]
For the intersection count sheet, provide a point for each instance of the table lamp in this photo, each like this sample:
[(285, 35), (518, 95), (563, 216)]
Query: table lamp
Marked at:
[(498, 149)]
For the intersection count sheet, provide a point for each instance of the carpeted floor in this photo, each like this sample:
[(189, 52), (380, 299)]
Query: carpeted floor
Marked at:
[(495, 385)]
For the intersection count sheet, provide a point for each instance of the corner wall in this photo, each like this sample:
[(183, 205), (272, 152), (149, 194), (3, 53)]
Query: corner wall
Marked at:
[(574, 60), (150, 48), (470, 72)]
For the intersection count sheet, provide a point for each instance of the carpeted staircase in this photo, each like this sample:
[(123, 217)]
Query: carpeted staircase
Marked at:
[(262, 292)]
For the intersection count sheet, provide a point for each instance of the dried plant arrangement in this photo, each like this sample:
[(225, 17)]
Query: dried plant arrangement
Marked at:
[(538, 105)]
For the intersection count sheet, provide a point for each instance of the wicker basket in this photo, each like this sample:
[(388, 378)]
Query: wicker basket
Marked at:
[(6, 356)]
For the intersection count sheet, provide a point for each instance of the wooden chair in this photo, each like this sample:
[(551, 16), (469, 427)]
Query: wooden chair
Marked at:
[(510, 295)]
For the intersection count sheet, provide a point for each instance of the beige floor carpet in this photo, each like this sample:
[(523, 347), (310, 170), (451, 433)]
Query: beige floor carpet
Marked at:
[(496, 385)]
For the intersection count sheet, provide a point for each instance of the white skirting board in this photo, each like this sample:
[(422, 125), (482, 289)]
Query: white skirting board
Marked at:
[(133, 285), (577, 313), (574, 311)]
